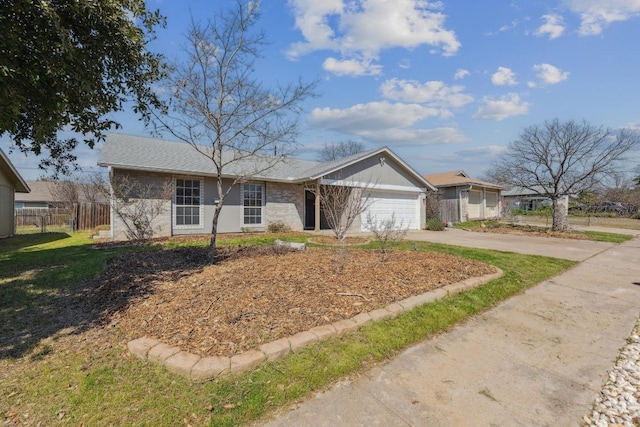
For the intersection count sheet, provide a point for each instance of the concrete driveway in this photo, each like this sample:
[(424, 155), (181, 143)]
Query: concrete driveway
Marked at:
[(576, 250), (539, 358)]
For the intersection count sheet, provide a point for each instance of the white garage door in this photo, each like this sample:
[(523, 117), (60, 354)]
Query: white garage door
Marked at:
[(404, 208), (475, 201)]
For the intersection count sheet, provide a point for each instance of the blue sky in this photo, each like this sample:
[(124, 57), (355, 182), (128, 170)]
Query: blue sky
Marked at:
[(446, 85)]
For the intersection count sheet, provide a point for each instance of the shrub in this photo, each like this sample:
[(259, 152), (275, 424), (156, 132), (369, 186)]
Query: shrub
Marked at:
[(434, 224), (386, 231), (278, 227)]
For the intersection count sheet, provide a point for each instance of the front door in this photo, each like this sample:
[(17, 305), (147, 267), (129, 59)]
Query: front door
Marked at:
[(309, 210)]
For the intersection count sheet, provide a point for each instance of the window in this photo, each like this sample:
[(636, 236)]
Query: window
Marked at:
[(252, 204), (188, 205), (492, 200)]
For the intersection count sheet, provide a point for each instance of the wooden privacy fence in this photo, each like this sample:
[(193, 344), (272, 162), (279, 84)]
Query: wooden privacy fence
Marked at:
[(448, 210), (90, 215), (83, 216)]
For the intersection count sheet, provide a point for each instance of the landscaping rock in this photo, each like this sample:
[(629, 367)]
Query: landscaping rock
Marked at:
[(141, 346), (181, 363), (210, 367), (247, 360)]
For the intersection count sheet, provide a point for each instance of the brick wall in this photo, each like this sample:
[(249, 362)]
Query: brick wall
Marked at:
[(285, 202)]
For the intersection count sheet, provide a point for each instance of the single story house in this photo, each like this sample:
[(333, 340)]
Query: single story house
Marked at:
[(10, 183), (528, 199), (43, 195), (40, 196), (463, 198), (287, 192)]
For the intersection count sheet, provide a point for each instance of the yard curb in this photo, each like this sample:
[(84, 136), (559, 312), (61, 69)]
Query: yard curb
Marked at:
[(207, 368)]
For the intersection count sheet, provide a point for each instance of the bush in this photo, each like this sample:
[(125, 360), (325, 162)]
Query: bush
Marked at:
[(635, 215), (278, 227), (434, 224)]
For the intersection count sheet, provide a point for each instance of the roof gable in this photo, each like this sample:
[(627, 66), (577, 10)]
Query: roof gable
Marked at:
[(456, 178)]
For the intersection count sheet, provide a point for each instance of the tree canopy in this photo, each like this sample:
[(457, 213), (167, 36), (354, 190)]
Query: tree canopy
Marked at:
[(559, 159), (66, 65)]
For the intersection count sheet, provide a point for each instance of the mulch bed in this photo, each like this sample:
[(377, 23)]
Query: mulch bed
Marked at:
[(254, 295)]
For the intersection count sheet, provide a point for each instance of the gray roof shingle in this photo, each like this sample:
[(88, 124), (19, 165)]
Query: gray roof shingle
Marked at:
[(141, 153), (157, 155)]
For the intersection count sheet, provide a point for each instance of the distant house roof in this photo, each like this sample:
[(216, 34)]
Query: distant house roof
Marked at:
[(157, 155), (19, 184), (457, 178), (41, 191), (537, 190)]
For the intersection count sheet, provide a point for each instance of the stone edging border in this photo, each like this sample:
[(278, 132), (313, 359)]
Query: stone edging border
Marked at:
[(206, 368)]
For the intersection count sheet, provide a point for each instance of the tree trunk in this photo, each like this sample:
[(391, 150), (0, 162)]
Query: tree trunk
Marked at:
[(214, 233), (560, 213)]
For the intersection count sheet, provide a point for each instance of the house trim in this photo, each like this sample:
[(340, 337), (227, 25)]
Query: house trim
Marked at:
[(373, 187)]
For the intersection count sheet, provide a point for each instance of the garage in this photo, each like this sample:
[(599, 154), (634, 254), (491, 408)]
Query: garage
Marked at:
[(404, 207), (475, 203)]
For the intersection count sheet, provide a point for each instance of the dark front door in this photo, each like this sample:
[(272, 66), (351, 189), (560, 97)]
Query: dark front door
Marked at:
[(309, 210)]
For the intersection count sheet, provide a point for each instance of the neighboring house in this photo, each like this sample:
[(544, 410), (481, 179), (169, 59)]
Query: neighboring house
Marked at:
[(286, 193), (463, 198), (10, 183), (525, 198), (43, 196), (39, 198)]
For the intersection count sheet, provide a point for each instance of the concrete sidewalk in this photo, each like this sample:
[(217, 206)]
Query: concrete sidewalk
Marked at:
[(539, 358)]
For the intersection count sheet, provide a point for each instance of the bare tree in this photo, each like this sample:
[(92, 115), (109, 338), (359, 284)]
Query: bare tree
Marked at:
[(65, 193), (220, 108), (137, 204), (558, 159), (341, 205), (94, 188), (334, 151), (386, 231)]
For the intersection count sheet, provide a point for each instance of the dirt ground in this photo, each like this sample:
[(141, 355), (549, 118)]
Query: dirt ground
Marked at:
[(255, 295)]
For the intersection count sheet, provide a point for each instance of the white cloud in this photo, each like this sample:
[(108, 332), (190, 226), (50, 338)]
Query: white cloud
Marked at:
[(482, 152), (506, 27), (510, 26), (504, 77), (443, 135), (553, 26), (550, 74), (460, 74), (373, 116), (363, 28), (351, 67), (432, 93), (499, 109), (596, 15), (385, 122)]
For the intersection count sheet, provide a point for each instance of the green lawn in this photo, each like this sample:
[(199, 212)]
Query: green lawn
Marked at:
[(41, 382), (603, 221)]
